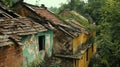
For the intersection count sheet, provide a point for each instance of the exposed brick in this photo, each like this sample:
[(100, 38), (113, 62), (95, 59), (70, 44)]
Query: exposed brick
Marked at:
[(11, 56)]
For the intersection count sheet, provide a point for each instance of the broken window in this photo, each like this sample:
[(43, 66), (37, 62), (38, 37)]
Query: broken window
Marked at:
[(41, 41)]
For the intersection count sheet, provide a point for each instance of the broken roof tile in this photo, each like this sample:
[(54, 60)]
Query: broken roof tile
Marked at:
[(20, 26), (44, 13), (54, 20), (11, 27)]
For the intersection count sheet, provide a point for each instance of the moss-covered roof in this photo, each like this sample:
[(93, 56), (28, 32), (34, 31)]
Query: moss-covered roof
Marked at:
[(75, 19)]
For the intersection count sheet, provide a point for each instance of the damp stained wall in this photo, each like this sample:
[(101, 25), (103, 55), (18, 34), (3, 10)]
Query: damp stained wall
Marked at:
[(78, 41), (31, 50), (85, 60), (82, 39), (82, 62), (88, 54)]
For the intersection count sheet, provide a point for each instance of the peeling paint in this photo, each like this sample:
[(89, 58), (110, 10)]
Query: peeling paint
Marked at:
[(31, 46)]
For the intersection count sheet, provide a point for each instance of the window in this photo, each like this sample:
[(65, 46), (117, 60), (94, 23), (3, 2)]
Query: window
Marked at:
[(92, 48), (87, 55), (41, 41)]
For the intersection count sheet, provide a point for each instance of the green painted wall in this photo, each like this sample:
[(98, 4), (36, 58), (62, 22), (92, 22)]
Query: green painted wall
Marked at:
[(31, 47)]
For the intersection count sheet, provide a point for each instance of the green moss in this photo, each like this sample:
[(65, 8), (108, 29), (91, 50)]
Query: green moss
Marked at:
[(83, 21)]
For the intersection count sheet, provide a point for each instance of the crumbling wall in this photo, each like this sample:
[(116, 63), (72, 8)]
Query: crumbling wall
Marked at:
[(11, 56), (31, 48), (62, 43)]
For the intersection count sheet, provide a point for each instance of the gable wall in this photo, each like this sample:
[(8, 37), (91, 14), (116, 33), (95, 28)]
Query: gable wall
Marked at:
[(24, 11)]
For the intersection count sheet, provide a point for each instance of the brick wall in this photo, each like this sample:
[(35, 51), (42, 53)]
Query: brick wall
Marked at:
[(11, 56)]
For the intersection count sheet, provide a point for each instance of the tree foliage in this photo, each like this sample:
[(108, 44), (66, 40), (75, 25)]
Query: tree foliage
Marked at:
[(9, 3), (108, 39), (106, 13)]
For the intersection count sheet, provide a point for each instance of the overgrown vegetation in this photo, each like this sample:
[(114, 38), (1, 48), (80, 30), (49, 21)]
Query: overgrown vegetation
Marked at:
[(106, 14), (83, 21), (9, 3), (36, 63)]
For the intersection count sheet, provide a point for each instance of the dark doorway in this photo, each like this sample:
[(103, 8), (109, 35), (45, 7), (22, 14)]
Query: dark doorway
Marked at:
[(41, 42)]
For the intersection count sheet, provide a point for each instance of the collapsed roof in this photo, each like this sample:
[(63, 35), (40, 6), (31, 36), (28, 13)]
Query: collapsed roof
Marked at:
[(53, 20), (13, 26)]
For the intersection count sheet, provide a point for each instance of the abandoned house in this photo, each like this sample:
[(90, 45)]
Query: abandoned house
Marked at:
[(73, 42), (22, 40), (83, 45)]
